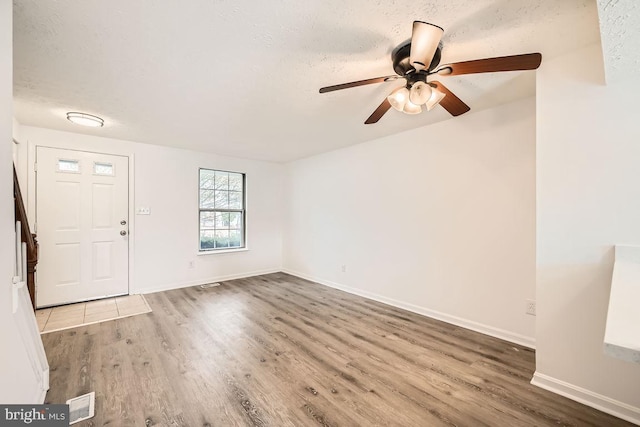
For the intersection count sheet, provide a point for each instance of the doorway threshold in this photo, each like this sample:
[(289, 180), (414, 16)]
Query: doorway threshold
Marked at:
[(87, 313)]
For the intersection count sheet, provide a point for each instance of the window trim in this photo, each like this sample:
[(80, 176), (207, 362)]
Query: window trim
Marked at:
[(243, 214)]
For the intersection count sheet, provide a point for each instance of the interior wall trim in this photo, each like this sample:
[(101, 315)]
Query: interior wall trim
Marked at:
[(178, 285), (587, 397), (454, 320)]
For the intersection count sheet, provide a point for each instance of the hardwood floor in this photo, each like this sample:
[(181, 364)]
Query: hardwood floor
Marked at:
[(276, 350)]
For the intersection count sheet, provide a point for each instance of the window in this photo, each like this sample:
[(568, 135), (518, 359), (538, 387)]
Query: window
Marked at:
[(222, 213), (100, 168), (69, 166)]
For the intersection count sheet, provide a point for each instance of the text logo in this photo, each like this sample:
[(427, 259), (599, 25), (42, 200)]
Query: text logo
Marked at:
[(34, 415)]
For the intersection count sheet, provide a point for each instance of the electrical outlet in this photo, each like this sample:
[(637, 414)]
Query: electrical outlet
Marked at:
[(343, 268), (191, 264), (531, 307)]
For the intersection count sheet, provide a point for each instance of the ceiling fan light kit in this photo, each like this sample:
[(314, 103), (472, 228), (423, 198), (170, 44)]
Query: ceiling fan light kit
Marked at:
[(410, 61), (398, 98), (434, 99), (411, 108), (419, 93)]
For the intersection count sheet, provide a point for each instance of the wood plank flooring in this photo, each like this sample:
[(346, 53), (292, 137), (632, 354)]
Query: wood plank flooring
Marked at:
[(276, 350)]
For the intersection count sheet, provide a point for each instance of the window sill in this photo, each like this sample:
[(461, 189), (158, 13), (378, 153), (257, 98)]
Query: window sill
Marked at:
[(224, 251)]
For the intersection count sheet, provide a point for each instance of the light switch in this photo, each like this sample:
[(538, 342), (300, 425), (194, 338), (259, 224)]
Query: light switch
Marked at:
[(143, 211)]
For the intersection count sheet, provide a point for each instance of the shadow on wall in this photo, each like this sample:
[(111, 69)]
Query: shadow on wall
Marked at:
[(581, 312)]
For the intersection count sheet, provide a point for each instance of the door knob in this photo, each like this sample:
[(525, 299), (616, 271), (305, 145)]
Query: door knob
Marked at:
[(123, 233), (123, 222)]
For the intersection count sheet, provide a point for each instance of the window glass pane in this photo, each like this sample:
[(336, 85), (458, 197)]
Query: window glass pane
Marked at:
[(222, 238), (68, 166), (221, 209), (207, 239), (207, 178), (235, 240), (235, 200), (103, 168), (222, 180), (222, 220), (235, 181), (222, 199), (206, 199), (207, 220), (235, 220)]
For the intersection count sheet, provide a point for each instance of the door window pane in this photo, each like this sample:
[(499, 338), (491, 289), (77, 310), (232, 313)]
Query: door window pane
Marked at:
[(69, 166), (103, 169)]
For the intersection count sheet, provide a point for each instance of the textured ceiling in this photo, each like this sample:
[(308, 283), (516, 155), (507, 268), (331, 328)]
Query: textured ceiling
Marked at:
[(241, 77), (620, 28)]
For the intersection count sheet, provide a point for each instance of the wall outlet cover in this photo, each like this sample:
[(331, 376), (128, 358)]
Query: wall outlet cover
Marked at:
[(531, 307)]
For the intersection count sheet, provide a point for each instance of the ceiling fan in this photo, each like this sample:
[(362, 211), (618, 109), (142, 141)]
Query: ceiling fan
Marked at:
[(418, 59)]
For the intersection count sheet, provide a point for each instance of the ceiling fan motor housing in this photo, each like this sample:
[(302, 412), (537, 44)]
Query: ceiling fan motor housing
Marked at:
[(402, 63)]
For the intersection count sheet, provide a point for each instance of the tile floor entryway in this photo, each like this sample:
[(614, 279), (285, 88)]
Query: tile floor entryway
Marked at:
[(84, 313)]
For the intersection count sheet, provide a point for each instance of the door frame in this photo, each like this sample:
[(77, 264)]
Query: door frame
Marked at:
[(97, 147)]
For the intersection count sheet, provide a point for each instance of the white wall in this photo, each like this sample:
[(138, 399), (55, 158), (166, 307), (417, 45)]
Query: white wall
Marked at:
[(17, 380), (19, 154), (588, 193), (439, 220), (166, 180)]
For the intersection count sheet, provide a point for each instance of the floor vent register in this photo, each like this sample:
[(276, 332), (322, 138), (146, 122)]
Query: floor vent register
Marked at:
[(82, 407)]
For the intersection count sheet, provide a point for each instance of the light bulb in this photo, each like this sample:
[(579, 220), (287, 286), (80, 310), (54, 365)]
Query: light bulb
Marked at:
[(398, 98), (420, 93), (411, 108), (434, 99)]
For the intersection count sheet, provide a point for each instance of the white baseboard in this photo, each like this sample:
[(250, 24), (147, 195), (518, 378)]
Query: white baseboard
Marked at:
[(454, 320), (40, 396), (178, 285), (587, 397)]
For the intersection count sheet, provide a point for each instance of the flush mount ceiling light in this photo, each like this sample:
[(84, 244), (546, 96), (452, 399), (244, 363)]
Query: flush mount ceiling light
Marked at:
[(85, 119)]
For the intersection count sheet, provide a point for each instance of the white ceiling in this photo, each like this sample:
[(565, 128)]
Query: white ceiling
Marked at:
[(241, 77), (620, 33)]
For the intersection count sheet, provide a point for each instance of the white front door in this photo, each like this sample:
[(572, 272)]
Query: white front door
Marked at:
[(82, 225)]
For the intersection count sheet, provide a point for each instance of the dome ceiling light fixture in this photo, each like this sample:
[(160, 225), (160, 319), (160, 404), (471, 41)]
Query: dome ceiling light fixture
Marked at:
[(418, 59), (85, 119)]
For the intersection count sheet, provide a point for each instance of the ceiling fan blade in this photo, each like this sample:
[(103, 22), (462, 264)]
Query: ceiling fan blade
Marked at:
[(424, 42), (527, 61), (380, 111), (450, 102), (358, 83)]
